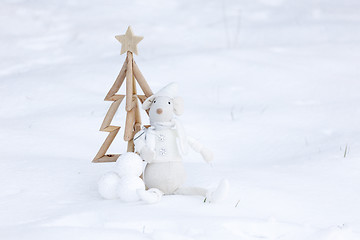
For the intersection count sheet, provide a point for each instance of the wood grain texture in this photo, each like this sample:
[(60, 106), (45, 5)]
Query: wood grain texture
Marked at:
[(107, 158), (118, 82), (141, 80), (131, 146), (129, 84), (105, 146), (137, 110), (111, 113), (142, 99), (129, 41), (129, 125)]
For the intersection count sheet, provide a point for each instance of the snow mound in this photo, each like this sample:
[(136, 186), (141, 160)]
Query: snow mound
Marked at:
[(128, 187), (129, 164), (107, 185), (124, 181)]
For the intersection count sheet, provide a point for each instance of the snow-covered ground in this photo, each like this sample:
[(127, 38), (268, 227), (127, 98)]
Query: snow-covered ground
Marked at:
[(271, 86)]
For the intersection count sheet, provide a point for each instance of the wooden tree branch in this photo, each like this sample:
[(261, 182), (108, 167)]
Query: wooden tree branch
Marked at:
[(115, 97), (129, 125), (129, 80), (137, 127), (105, 146), (141, 80), (118, 82), (137, 112), (131, 147), (142, 99), (110, 114), (108, 158)]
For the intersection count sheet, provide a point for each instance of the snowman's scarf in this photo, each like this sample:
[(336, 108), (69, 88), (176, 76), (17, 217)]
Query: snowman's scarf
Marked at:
[(174, 123)]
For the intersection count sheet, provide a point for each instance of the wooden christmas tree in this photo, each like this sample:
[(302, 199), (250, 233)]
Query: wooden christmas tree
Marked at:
[(130, 71)]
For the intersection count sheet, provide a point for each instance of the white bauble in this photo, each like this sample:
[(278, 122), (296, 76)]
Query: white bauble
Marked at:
[(127, 188), (108, 184), (129, 164)]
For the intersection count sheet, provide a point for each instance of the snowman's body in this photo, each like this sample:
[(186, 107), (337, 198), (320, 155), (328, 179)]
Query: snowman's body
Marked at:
[(165, 148), (165, 176), (166, 171), (162, 145)]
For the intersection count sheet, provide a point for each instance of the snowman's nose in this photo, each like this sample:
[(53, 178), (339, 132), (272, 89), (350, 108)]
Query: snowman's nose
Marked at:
[(159, 111)]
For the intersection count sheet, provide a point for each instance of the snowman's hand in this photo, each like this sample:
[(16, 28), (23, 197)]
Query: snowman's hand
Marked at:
[(147, 154), (198, 147)]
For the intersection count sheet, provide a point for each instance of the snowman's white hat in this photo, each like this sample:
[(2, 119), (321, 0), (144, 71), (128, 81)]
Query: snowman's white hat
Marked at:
[(169, 90)]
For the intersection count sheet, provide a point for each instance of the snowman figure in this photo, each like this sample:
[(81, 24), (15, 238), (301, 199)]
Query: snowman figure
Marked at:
[(162, 146)]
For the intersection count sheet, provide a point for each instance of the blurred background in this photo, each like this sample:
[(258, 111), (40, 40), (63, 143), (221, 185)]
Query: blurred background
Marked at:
[(276, 80)]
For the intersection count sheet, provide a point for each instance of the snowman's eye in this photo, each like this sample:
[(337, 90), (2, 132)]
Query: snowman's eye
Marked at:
[(169, 103), (154, 101)]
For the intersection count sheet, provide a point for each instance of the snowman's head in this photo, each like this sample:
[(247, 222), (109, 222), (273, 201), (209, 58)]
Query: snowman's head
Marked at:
[(163, 105)]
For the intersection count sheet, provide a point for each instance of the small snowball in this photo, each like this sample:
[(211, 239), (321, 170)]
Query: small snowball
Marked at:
[(129, 164), (127, 188), (107, 185)]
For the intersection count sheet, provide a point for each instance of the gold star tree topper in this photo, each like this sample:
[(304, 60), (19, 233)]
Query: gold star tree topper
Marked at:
[(129, 41)]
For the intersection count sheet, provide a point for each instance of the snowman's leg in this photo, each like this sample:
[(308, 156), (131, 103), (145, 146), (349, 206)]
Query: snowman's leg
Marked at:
[(214, 195), (220, 193), (153, 195), (191, 191)]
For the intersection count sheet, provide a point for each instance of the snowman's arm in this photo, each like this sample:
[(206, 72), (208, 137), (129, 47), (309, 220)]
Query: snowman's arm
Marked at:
[(142, 147), (200, 148), (140, 140)]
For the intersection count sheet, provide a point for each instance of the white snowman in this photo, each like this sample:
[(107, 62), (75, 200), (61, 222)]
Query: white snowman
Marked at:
[(162, 146)]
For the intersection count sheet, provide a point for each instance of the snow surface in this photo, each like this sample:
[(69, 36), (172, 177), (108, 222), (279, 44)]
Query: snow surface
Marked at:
[(271, 86)]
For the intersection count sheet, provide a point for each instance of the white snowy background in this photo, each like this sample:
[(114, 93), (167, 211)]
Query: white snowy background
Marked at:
[(271, 86)]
